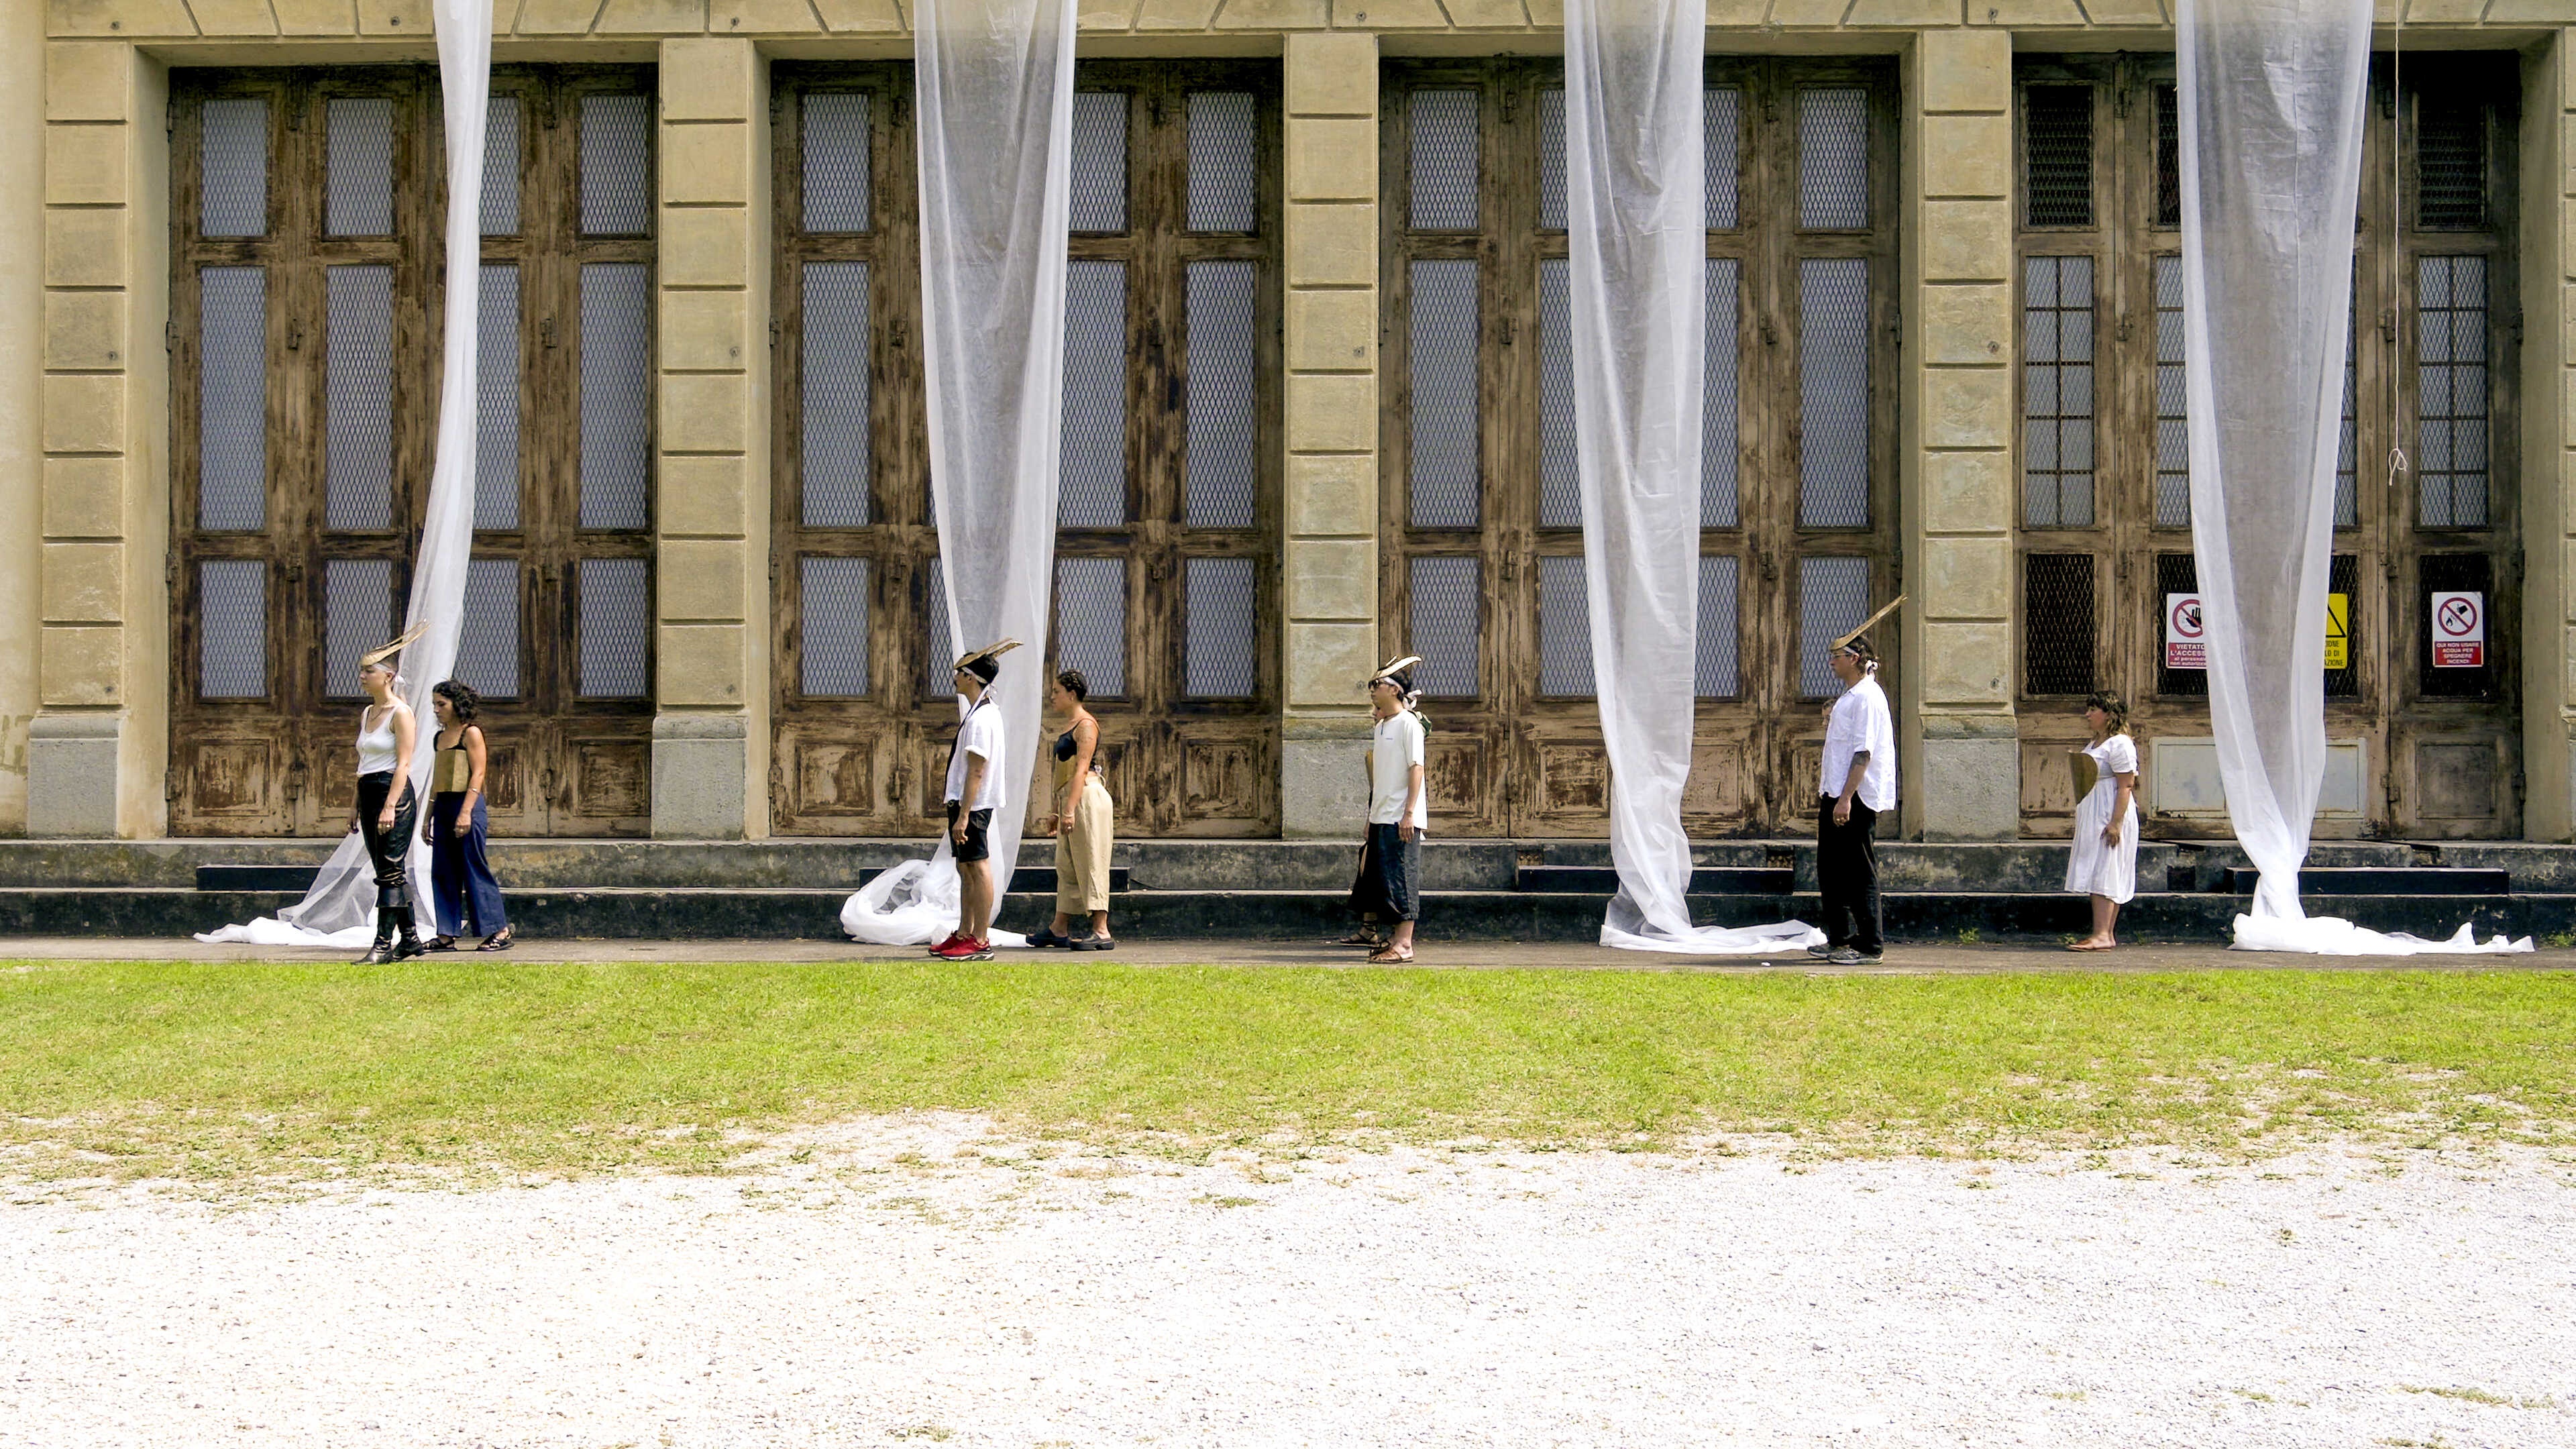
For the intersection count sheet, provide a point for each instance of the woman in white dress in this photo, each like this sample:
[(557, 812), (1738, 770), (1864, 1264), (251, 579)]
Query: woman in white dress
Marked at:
[(2104, 862)]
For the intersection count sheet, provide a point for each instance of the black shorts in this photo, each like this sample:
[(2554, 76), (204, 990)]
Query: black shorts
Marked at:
[(976, 847)]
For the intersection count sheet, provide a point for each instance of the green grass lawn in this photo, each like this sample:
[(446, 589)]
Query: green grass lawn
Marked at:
[(132, 1069)]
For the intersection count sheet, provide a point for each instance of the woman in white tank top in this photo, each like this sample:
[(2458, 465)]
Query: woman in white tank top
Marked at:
[(384, 810)]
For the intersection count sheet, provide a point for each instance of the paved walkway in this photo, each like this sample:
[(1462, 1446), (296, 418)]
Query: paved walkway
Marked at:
[(1467, 955)]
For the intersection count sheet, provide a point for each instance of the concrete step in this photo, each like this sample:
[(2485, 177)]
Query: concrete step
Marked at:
[(2383, 881), (1709, 880)]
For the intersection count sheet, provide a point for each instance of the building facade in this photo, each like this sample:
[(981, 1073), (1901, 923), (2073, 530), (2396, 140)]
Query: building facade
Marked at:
[(1318, 410)]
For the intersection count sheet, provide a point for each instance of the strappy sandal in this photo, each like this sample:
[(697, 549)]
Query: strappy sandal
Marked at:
[(1370, 939), (438, 943), (1391, 956), (500, 942)]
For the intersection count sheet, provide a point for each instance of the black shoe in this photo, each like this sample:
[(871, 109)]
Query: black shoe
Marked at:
[(406, 944), (383, 949), (1093, 943), (1820, 950), (1045, 936), (438, 943)]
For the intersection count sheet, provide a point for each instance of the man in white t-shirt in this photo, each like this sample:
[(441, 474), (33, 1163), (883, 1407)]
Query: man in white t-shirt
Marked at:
[(1390, 882), (1857, 781), (974, 791)]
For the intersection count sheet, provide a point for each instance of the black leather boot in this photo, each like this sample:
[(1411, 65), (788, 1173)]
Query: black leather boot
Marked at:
[(406, 944), (383, 950)]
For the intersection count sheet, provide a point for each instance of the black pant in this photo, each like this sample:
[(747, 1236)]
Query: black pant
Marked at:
[(388, 847), (1847, 877)]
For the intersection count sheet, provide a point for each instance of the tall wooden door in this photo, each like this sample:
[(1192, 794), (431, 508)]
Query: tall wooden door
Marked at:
[(307, 211), (1165, 587), (1797, 495)]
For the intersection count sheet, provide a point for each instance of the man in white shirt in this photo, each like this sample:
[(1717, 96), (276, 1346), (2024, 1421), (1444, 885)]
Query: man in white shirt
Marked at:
[(1856, 782), (1390, 883), (974, 791)]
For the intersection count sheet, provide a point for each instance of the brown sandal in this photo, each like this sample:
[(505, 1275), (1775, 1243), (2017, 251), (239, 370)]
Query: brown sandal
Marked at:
[(1370, 939), (1391, 956)]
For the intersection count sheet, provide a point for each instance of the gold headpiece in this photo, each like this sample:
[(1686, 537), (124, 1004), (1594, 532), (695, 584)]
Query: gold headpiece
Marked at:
[(989, 651), (1392, 666), (383, 652), (1845, 641)]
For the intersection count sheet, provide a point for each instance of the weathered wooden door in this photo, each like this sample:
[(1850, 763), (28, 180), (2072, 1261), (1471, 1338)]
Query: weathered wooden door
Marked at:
[(307, 208), (1797, 497), (1165, 572)]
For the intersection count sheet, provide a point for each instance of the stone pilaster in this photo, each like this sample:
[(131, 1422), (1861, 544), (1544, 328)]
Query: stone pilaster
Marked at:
[(1329, 560), (1960, 755), (22, 300), (711, 731), (2549, 441)]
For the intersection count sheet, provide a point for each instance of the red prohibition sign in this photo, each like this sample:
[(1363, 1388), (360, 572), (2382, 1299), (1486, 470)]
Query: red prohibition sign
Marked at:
[(2459, 617), (2186, 619)]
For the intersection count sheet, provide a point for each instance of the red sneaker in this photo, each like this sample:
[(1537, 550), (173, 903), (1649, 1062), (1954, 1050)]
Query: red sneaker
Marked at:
[(941, 948), (958, 948)]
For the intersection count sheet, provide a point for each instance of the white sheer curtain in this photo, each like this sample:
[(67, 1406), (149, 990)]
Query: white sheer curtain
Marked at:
[(994, 81), (2272, 93), (1638, 235), (340, 908)]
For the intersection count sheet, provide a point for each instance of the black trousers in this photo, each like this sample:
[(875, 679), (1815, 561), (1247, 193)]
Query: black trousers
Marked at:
[(1389, 887), (387, 848), (1847, 877)]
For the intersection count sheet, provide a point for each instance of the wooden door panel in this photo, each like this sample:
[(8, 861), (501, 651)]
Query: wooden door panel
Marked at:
[(234, 785), (1463, 769), (832, 775), (1724, 792), (1228, 772)]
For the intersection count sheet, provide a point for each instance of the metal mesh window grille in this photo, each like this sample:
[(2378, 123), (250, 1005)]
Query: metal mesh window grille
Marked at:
[(1719, 412), (357, 615), (2451, 392), (1833, 159), (1442, 468), (1564, 629), (2168, 157), (1100, 161), (832, 605), (1218, 660), (2057, 155), (1833, 597), (2057, 639), (232, 629), (1715, 674), (616, 617), (1446, 622), (2173, 433), (616, 394), (1091, 621), (1444, 164), (232, 398), (496, 398), (2175, 574), (839, 467), (232, 167), (1224, 162), (1560, 488), (502, 140), (616, 165), (358, 167), (2454, 573), (939, 668), (2450, 164), (1221, 461), (487, 644), (1092, 457), (2347, 506), (1551, 158), (1833, 392), (2057, 392), (358, 382), (1721, 124), (837, 158)]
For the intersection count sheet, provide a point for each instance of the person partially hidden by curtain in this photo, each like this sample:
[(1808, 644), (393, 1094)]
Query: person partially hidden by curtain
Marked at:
[(461, 888), (1083, 821), (1857, 782), (385, 806), (1389, 887), (2104, 861)]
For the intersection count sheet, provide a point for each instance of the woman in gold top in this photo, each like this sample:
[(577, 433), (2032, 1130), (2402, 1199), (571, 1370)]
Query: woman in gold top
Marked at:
[(460, 879), (1082, 823)]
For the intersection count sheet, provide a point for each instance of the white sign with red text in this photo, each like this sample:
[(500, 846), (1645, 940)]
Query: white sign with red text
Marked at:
[(2459, 631), (2186, 637)]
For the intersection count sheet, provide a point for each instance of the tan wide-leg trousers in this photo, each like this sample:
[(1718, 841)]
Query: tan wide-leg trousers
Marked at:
[(1082, 852)]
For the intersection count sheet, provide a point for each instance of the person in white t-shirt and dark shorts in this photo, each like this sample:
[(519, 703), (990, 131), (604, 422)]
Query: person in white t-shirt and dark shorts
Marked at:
[(1857, 783), (974, 792), (1390, 882)]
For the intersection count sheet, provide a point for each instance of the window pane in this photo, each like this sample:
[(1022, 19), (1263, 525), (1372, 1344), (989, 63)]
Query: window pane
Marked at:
[(1721, 129), (1099, 161), (616, 395), (1219, 662), (357, 615), (1092, 465), (1833, 159), (2057, 161), (487, 646), (358, 372), (232, 167), (2173, 435), (501, 144), (837, 382), (1560, 486), (1445, 152), (2058, 641), (1718, 411), (2451, 392), (1446, 622), (1221, 462), (2057, 392), (358, 168), (837, 158), (940, 666), (615, 618), (232, 398), (833, 627), (2168, 158), (616, 166), (232, 629), (496, 398), (1091, 621), (1833, 597), (1551, 158), (1833, 392), (2450, 163), (1715, 672), (1443, 467), (1564, 629), (2348, 441), (1224, 162)]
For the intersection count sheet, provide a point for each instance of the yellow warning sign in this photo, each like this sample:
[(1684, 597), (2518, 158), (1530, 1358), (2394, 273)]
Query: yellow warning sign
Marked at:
[(2338, 631)]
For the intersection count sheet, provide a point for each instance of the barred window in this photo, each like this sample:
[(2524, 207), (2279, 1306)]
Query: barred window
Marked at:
[(2057, 639)]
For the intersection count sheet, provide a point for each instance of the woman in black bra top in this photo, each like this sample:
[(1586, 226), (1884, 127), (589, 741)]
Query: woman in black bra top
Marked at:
[(1082, 823)]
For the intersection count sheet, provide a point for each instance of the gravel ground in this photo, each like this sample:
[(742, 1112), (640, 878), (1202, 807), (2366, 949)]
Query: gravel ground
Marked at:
[(922, 1280)]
